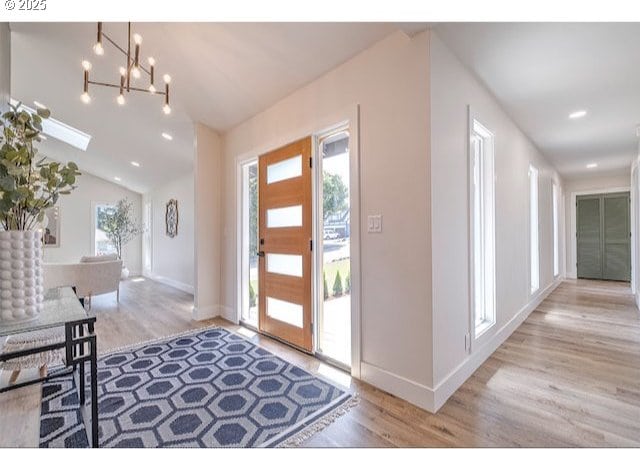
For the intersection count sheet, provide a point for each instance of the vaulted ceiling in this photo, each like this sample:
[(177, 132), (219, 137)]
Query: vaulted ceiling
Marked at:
[(222, 74)]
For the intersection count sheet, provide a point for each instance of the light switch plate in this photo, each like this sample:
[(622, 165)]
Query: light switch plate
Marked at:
[(374, 223)]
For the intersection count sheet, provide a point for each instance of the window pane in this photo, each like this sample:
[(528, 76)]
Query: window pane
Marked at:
[(483, 227), (287, 264), (533, 225), (289, 168), (556, 243), (284, 217), (284, 311), (103, 244)]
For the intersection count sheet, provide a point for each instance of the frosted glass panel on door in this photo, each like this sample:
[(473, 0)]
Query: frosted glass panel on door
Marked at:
[(283, 217), (284, 311), (289, 168), (287, 264)]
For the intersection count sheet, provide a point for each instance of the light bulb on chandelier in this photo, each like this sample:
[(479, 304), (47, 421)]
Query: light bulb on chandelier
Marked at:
[(120, 99), (85, 97), (98, 49), (166, 109)]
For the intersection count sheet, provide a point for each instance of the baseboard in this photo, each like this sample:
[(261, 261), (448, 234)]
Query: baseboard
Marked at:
[(171, 282), (572, 275), (404, 388), (228, 313), (462, 372), (205, 313)]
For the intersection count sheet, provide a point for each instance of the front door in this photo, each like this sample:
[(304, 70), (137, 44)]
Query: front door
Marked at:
[(285, 246)]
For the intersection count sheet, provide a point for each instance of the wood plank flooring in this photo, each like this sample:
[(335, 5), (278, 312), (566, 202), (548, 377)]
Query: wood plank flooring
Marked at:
[(568, 376)]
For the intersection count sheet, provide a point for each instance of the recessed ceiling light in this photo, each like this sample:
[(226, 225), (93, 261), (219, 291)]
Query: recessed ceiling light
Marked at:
[(117, 179), (167, 136), (40, 105), (135, 164), (592, 165), (578, 114)]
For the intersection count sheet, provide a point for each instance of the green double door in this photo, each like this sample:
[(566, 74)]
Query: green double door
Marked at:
[(603, 234)]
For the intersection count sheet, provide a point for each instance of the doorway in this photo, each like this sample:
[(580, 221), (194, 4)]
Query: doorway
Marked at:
[(298, 253), (603, 236)]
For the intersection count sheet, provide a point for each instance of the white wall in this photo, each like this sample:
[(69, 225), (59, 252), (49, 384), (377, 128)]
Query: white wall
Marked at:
[(76, 221), (208, 221), (584, 185), (453, 89), (173, 258), (635, 228), (5, 65), (390, 83)]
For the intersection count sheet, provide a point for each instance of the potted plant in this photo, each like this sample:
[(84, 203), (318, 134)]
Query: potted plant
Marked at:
[(27, 188), (121, 227)]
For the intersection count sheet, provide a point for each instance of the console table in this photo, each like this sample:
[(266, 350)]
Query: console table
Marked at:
[(62, 309)]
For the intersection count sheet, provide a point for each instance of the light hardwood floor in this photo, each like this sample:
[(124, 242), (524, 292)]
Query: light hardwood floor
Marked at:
[(568, 376)]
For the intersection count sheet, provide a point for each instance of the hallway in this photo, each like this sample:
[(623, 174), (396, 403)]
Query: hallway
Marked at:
[(571, 369)]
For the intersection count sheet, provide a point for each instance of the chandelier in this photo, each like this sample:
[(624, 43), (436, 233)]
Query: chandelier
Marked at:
[(132, 70)]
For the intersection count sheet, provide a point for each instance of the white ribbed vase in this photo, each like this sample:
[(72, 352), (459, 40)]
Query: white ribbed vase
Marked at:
[(21, 290)]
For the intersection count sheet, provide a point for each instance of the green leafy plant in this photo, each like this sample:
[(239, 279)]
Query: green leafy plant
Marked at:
[(334, 195), (28, 187), (337, 285), (119, 224), (252, 296), (347, 283), (325, 286)]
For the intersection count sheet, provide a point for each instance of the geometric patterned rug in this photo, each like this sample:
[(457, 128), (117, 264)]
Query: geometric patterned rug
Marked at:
[(205, 388)]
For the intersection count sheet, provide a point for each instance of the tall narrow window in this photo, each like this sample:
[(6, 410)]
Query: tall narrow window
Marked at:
[(533, 229), (556, 242), (481, 173), (249, 258), (102, 245)]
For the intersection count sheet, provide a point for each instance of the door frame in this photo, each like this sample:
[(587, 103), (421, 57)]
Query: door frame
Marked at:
[(350, 116), (572, 273)]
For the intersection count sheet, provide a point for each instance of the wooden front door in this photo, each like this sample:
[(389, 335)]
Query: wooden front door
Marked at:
[(284, 189)]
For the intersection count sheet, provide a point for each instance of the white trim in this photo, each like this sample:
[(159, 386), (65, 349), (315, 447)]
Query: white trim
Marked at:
[(170, 282), (226, 312), (407, 389), (572, 272), (479, 336), (462, 372), (351, 115), (241, 162), (204, 313)]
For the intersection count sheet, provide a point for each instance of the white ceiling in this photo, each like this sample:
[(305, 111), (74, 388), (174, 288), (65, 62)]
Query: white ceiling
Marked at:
[(222, 75), (542, 72)]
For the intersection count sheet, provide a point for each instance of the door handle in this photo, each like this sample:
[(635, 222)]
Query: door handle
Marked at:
[(260, 253)]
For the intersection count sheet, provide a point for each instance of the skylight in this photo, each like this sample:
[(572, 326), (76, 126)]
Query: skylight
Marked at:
[(61, 131)]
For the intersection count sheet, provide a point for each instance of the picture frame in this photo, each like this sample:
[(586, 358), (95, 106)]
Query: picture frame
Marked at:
[(171, 218)]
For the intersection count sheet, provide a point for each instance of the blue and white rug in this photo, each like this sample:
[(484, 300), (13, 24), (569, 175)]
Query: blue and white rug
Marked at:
[(208, 388)]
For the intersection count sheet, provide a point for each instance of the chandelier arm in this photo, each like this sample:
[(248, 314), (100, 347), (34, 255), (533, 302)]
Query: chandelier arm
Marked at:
[(124, 52), (117, 86)]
